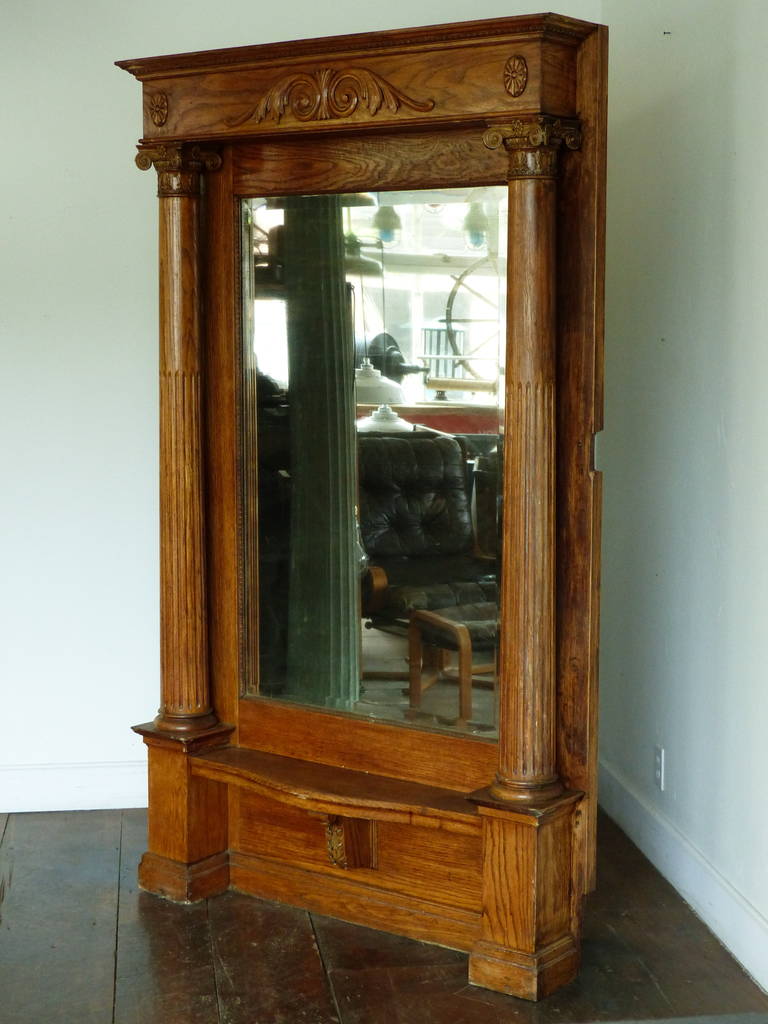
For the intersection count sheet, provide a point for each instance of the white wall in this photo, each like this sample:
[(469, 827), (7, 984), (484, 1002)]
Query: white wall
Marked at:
[(685, 598), (685, 556)]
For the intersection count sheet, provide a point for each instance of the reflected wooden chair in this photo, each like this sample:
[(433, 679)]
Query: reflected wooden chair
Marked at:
[(463, 629)]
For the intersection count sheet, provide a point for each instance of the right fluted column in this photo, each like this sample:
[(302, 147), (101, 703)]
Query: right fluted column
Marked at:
[(530, 917), (527, 699)]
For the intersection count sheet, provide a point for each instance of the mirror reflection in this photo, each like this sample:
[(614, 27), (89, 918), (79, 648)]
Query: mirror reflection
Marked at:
[(373, 327)]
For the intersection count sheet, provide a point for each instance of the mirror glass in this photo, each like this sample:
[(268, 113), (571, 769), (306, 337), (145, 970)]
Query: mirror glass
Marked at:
[(373, 327)]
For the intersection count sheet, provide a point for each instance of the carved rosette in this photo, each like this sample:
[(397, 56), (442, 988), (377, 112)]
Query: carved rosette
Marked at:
[(329, 94), (157, 105), (179, 167), (533, 144), (516, 75)]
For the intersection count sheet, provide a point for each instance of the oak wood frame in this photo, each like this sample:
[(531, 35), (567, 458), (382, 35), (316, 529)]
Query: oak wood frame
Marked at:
[(520, 100)]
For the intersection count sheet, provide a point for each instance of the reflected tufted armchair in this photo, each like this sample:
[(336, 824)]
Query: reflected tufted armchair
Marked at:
[(417, 528)]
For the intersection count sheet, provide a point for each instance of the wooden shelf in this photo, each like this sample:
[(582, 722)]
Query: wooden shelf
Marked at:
[(327, 790)]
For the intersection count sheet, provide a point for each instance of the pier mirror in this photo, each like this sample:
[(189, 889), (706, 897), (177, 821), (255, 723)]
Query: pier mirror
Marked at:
[(380, 379), (373, 391)]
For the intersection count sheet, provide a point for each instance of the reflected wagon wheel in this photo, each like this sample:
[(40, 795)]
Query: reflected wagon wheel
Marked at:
[(459, 284)]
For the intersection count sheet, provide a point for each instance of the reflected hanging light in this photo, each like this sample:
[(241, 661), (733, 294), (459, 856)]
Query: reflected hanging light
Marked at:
[(388, 224), (476, 226), (373, 388)]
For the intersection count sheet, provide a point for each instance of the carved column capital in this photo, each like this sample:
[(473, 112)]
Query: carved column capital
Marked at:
[(179, 166), (533, 143)]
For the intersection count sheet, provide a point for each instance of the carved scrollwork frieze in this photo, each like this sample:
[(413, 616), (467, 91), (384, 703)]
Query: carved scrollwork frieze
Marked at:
[(179, 167), (329, 94), (533, 143)]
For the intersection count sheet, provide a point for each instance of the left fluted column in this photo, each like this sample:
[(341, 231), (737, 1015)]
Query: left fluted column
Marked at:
[(187, 822), (185, 688)]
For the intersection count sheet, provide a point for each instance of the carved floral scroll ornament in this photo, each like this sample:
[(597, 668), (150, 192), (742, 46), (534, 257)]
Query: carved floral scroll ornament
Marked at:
[(327, 95)]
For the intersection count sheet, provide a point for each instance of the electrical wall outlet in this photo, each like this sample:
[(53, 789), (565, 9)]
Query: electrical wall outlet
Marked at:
[(658, 767)]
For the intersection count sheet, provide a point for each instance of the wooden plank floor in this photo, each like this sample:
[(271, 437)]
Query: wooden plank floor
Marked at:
[(80, 944)]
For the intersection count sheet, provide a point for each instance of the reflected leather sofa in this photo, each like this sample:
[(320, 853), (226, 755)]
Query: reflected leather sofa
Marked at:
[(416, 527)]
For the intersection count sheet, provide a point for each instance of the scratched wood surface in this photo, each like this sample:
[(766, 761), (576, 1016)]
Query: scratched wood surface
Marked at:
[(80, 943)]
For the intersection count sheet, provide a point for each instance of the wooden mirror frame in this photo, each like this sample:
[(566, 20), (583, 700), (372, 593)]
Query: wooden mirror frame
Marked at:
[(479, 846)]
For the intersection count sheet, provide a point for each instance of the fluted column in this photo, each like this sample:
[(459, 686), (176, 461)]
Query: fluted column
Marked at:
[(527, 691), (185, 691)]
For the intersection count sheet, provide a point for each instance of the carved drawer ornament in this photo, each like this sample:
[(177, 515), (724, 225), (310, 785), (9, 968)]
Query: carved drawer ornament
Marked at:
[(328, 95), (158, 108), (516, 75), (334, 837), (350, 842)]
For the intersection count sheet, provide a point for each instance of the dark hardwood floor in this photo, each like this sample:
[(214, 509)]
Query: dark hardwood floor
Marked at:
[(80, 944)]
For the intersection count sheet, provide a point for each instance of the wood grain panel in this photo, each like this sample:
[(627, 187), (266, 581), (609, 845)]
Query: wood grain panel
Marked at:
[(355, 90), (221, 437), (342, 895), (188, 816), (451, 762), (580, 416), (553, 880), (509, 884), (309, 95), (332, 790), (444, 868), (270, 829), (451, 159), (552, 28)]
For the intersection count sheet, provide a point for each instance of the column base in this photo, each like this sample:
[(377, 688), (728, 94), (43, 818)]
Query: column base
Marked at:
[(505, 791), (203, 736), (185, 724), (525, 975), (184, 883)]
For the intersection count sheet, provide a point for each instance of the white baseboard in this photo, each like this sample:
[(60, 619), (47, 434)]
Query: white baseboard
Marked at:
[(739, 925), (73, 787)]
